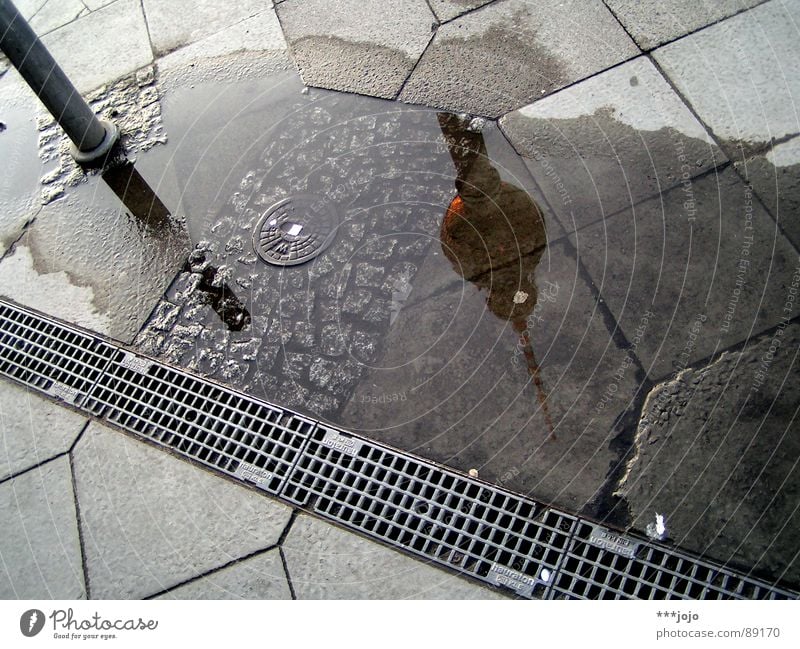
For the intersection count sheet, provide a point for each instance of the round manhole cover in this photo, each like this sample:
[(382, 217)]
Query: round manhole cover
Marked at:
[(295, 230)]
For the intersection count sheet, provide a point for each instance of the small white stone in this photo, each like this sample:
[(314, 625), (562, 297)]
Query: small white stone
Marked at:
[(520, 297), (473, 473)]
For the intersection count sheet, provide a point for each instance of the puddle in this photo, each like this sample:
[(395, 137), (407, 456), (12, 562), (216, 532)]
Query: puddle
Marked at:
[(434, 292), (396, 271)]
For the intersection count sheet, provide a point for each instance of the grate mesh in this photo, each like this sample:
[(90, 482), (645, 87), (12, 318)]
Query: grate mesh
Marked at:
[(483, 531), (221, 428), (652, 572), (49, 356), (431, 511)]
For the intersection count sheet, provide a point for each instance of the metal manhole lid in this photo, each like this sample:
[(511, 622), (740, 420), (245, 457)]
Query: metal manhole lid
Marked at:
[(295, 230)]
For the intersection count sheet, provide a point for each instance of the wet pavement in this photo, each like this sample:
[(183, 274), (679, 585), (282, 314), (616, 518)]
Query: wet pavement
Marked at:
[(590, 300)]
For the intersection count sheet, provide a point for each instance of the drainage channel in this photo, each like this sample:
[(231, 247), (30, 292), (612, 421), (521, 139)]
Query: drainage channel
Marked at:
[(479, 530)]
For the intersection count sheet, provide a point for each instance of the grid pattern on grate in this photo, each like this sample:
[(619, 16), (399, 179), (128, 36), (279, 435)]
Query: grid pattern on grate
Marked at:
[(49, 356), (655, 572), (216, 426), (483, 531), (431, 511)]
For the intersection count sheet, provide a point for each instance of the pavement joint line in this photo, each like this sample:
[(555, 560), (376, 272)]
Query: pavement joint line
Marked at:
[(431, 38), (147, 28), (619, 22), (80, 436), (11, 249), (36, 466), (741, 11), (717, 142), (79, 522), (534, 552), (292, 517), (285, 565), (214, 570), (469, 11)]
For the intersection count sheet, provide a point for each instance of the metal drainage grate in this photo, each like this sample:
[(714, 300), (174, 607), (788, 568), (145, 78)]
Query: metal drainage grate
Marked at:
[(295, 230), (601, 564), (434, 512), (56, 359), (483, 531), (227, 430)]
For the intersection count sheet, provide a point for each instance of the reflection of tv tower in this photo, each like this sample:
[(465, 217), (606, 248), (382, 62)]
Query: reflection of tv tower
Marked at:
[(494, 236)]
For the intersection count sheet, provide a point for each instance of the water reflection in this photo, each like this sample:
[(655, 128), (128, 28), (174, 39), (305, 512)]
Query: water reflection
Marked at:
[(494, 236), (136, 194), (145, 205)]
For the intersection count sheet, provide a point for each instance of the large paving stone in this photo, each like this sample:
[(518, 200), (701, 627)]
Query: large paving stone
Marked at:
[(449, 9), (250, 48), (102, 46), (33, 429), (45, 16), (175, 23), (260, 577), (775, 177), (705, 258), (88, 260), (152, 521), (475, 63), (364, 46), (653, 22), (455, 385), (40, 552), (325, 562), (717, 454), (739, 76), (610, 141)]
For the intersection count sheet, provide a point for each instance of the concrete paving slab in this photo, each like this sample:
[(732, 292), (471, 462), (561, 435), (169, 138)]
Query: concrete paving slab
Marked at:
[(325, 562), (363, 46), (257, 43), (739, 77), (102, 46), (259, 577), (717, 455), (175, 23), (89, 260), (40, 552), (45, 15), (473, 64), (151, 521), (706, 259), (775, 177), (33, 429), (449, 9), (654, 22), (610, 141), (93, 5)]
